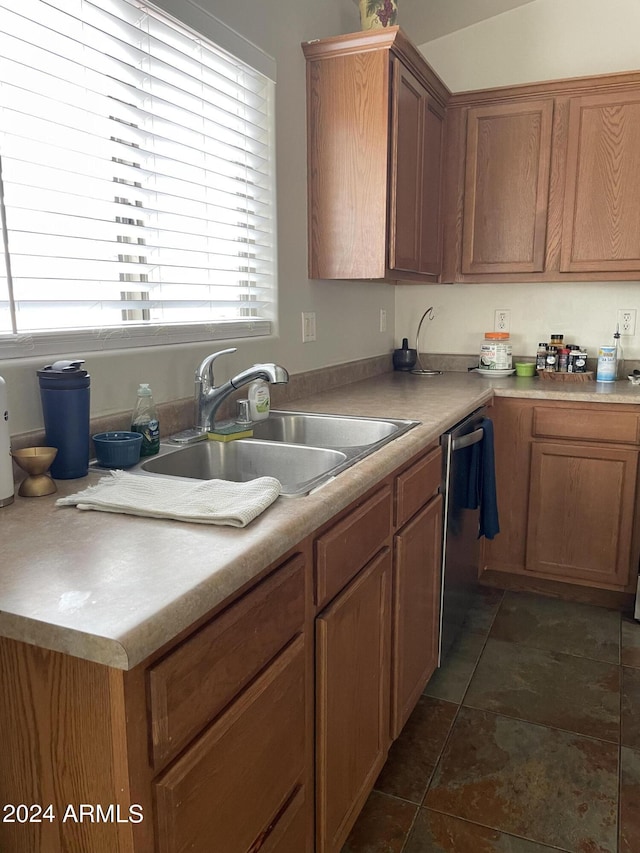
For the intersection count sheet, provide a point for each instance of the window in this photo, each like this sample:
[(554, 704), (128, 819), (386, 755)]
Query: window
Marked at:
[(136, 180)]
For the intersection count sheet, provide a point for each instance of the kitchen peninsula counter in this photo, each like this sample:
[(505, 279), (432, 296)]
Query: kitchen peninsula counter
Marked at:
[(112, 588)]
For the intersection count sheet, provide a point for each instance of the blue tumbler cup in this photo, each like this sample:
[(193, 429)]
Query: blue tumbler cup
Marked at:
[(64, 391)]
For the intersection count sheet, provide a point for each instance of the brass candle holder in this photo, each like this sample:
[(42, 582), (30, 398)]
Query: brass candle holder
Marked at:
[(36, 461)]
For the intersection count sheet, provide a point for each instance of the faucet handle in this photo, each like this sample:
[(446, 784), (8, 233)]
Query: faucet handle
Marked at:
[(206, 365)]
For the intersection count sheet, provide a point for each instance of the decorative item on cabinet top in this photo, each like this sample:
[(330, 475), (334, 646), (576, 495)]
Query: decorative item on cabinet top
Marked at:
[(378, 13)]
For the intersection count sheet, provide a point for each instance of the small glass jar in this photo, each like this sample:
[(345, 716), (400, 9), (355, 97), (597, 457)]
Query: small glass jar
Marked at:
[(541, 356), (563, 359), (552, 360), (495, 352), (580, 361), (557, 341)]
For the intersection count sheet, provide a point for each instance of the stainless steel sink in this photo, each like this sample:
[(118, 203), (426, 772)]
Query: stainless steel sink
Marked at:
[(300, 449), (298, 468), (328, 430)]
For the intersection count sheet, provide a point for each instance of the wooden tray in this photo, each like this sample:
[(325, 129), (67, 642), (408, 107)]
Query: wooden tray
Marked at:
[(566, 377)]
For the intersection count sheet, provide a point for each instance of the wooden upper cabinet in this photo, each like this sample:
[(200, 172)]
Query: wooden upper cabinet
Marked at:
[(601, 223), (417, 125), (542, 180), (375, 119), (348, 142), (506, 187)]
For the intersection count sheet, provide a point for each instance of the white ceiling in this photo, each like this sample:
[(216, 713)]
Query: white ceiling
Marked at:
[(424, 20)]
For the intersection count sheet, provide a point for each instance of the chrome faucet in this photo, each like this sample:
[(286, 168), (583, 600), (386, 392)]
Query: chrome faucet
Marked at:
[(208, 397)]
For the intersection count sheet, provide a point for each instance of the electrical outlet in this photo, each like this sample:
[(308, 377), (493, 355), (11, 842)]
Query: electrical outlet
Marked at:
[(502, 320), (383, 320), (308, 326), (627, 321)]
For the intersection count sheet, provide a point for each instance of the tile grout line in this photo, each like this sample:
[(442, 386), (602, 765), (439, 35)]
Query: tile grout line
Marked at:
[(542, 725), (459, 704)]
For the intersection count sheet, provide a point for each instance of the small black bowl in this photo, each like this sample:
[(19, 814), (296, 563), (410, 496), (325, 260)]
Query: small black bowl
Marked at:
[(404, 359)]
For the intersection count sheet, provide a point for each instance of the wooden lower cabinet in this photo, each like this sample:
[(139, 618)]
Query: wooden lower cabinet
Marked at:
[(260, 729), (206, 747), (567, 477), (581, 512), (352, 699), (416, 618), (64, 743), (235, 783)]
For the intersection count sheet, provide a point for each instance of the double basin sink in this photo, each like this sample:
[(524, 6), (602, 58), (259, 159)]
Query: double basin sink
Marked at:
[(301, 450)]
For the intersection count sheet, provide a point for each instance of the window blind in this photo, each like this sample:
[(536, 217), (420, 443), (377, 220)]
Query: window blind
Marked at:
[(137, 176)]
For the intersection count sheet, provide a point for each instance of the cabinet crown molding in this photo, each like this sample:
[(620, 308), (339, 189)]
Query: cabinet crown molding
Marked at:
[(572, 86)]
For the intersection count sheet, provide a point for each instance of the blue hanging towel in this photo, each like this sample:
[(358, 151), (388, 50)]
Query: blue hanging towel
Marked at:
[(482, 482)]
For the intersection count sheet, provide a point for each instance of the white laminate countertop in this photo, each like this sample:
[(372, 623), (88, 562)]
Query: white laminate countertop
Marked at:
[(114, 588)]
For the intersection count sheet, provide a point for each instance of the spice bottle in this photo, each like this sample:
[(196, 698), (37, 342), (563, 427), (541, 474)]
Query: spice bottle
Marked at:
[(579, 361), (551, 365), (145, 421), (541, 356), (563, 360)]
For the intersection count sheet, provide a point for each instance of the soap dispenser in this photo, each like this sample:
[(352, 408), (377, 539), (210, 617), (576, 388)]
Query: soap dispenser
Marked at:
[(145, 421), (259, 400)]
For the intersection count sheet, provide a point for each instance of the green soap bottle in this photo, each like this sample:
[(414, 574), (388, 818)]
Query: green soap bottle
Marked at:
[(145, 421)]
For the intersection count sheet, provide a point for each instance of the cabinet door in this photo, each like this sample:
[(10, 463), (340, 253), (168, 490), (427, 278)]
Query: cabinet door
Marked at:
[(348, 147), (581, 512), (241, 782), (415, 177), (352, 699), (416, 609), (506, 192), (601, 226)]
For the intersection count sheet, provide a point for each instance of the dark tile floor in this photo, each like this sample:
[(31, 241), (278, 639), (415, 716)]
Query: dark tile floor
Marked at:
[(526, 740)]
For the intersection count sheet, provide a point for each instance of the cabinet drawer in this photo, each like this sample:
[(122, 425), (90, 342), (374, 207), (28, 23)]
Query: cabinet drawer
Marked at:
[(289, 832), (584, 425), (416, 486), (193, 684), (229, 790), (350, 544)]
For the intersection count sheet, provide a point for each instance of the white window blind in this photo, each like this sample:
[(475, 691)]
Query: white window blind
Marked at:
[(137, 179)]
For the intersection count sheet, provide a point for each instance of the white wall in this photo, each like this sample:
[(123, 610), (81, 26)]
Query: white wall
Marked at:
[(585, 313), (347, 314), (543, 40)]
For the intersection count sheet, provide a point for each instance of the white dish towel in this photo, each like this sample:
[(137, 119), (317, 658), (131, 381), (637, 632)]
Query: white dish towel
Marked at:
[(204, 501)]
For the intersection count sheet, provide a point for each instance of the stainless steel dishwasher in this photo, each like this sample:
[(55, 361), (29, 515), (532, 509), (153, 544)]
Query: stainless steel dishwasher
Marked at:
[(461, 546)]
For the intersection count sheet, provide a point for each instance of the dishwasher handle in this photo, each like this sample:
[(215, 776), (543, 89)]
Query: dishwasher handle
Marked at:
[(467, 440)]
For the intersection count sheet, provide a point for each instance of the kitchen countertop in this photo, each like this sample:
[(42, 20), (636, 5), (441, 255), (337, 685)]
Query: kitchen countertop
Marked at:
[(114, 588)]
